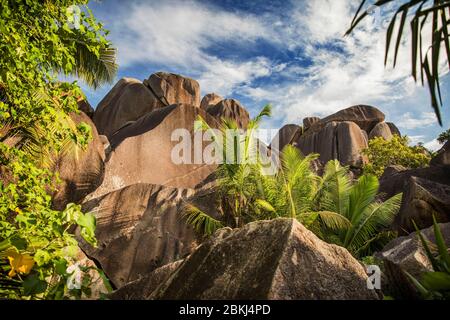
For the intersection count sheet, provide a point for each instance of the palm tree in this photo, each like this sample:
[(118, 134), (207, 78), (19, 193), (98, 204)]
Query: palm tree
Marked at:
[(238, 175), (331, 206), (420, 11)]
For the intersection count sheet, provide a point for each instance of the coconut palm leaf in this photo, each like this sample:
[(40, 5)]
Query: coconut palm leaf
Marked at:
[(375, 217), (200, 221), (428, 61), (333, 192), (95, 69), (334, 221), (361, 195)]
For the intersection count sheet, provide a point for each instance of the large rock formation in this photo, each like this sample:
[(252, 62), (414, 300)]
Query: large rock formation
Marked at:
[(130, 99), (141, 288), (343, 141), (366, 117), (172, 88), (81, 171), (145, 151), (210, 100), (381, 129), (140, 228), (309, 121), (230, 109), (288, 134), (443, 156), (278, 259), (407, 254), (421, 200)]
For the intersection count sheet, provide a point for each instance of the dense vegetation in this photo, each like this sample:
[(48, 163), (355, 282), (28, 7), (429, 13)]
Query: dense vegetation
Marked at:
[(38, 43), (333, 206), (383, 153), (444, 136)]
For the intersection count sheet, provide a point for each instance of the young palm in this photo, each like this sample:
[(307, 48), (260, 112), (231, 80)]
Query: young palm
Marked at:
[(369, 219), (238, 175)]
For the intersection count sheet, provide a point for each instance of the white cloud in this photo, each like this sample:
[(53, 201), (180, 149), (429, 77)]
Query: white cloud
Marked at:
[(433, 145), (329, 72), (408, 121), (176, 34)]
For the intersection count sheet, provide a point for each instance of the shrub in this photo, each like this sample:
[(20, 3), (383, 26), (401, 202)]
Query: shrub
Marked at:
[(382, 153)]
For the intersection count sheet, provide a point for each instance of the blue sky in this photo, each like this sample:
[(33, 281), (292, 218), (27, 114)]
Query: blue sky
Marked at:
[(291, 54)]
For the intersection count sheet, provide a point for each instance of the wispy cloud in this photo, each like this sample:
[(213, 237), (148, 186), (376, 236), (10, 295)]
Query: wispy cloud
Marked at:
[(408, 121), (308, 68), (178, 34)]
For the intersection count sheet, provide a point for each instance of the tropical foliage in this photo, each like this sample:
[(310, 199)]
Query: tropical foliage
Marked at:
[(444, 136), (333, 206), (38, 43), (435, 284), (424, 16), (383, 153)]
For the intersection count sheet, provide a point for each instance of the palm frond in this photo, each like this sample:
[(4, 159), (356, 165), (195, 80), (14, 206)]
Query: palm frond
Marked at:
[(334, 221), (201, 221), (428, 61), (333, 192), (95, 69), (361, 195), (376, 216)]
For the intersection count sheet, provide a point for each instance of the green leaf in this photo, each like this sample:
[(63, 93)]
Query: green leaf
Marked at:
[(61, 266), (265, 205), (87, 222), (42, 257), (19, 242), (436, 281), (32, 285)]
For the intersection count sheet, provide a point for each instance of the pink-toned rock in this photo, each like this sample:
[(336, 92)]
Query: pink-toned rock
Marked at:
[(146, 151)]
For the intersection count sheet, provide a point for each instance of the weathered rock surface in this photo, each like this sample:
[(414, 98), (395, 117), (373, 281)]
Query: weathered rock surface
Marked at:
[(278, 259), (407, 254), (309, 121), (127, 101), (140, 228), (130, 99), (337, 140), (230, 109), (210, 100), (366, 117), (85, 106), (382, 130), (141, 288), (81, 171), (288, 134), (443, 156), (142, 151), (421, 200), (392, 183), (350, 142), (172, 88), (393, 128)]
